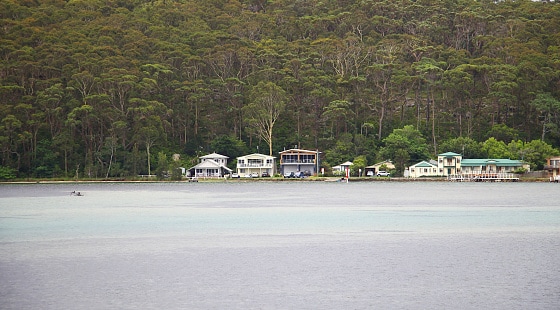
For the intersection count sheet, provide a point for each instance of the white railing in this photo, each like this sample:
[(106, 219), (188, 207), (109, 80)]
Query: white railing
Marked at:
[(483, 176), (254, 165)]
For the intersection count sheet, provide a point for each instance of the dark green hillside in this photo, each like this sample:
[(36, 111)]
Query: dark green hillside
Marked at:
[(95, 87)]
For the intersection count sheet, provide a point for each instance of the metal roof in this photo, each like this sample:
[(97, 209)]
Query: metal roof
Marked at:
[(424, 164), (491, 161), (449, 154)]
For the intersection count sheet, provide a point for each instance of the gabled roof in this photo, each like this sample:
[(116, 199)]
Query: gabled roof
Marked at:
[(491, 161), (449, 154), (424, 164), (210, 164), (348, 163), (214, 156)]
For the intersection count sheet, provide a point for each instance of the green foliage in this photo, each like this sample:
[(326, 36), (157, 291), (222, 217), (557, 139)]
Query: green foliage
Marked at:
[(229, 146), (162, 170), (536, 152), (7, 173), (549, 113), (359, 164), (467, 147), (495, 149), (341, 152), (100, 85), (502, 132), (404, 146)]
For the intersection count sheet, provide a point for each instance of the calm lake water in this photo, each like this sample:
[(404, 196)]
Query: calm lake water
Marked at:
[(285, 245)]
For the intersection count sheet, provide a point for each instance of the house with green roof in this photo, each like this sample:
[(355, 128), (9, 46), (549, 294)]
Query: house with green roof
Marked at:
[(449, 163), (423, 169), (452, 164), (471, 166)]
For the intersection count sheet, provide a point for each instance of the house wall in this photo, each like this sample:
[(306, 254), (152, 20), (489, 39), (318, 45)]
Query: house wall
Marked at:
[(298, 160), (553, 166), (449, 165), (256, 164), (416, 172)]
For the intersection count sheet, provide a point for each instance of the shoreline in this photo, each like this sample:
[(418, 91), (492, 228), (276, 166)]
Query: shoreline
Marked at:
[(248, 180)]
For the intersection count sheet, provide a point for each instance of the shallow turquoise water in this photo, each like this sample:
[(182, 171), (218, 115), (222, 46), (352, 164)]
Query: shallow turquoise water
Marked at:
[(382, 245)]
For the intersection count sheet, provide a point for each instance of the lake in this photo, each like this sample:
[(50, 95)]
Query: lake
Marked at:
[(280, 245)]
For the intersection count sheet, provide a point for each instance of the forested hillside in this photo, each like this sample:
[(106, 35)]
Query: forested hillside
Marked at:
[(94, 88)]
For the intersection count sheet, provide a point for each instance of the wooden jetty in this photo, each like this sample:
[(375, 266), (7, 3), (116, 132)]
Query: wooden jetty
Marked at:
[(484, 177)]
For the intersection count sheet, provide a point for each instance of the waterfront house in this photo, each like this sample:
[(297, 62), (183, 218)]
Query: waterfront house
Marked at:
[(553, 167), (294, 160), (449, 163), (423, 169), (211, 165), (256, 163), (470, 166), (453, 164)]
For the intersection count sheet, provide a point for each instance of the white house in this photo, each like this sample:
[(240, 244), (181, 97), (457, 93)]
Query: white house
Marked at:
[(423, 169), (452, 164), (211, 165), (256, 163)]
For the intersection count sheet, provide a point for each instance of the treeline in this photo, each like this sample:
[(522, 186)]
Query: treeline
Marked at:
[(112, 88)]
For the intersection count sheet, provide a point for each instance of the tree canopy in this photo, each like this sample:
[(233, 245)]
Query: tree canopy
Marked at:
[(105, 88)]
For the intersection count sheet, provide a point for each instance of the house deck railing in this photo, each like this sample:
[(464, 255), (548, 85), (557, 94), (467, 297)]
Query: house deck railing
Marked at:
[(254, 165), (483, 177), (294, 161)]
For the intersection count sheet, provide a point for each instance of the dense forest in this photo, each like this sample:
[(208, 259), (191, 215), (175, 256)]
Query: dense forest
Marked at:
[(115, 88)]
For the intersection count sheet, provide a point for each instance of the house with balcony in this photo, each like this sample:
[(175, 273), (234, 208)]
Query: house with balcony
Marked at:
[(452, 165), (210, 166), (473, 166), (256, 163), (294, 160), (553, 167), (449, 163)]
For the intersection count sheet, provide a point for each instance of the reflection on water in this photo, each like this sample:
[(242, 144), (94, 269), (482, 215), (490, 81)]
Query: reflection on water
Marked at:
[(382, 245)]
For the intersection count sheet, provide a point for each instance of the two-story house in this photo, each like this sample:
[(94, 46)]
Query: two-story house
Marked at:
[(294, 160), (553, 167), (211, 165), (450, 164), (256, 163)]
